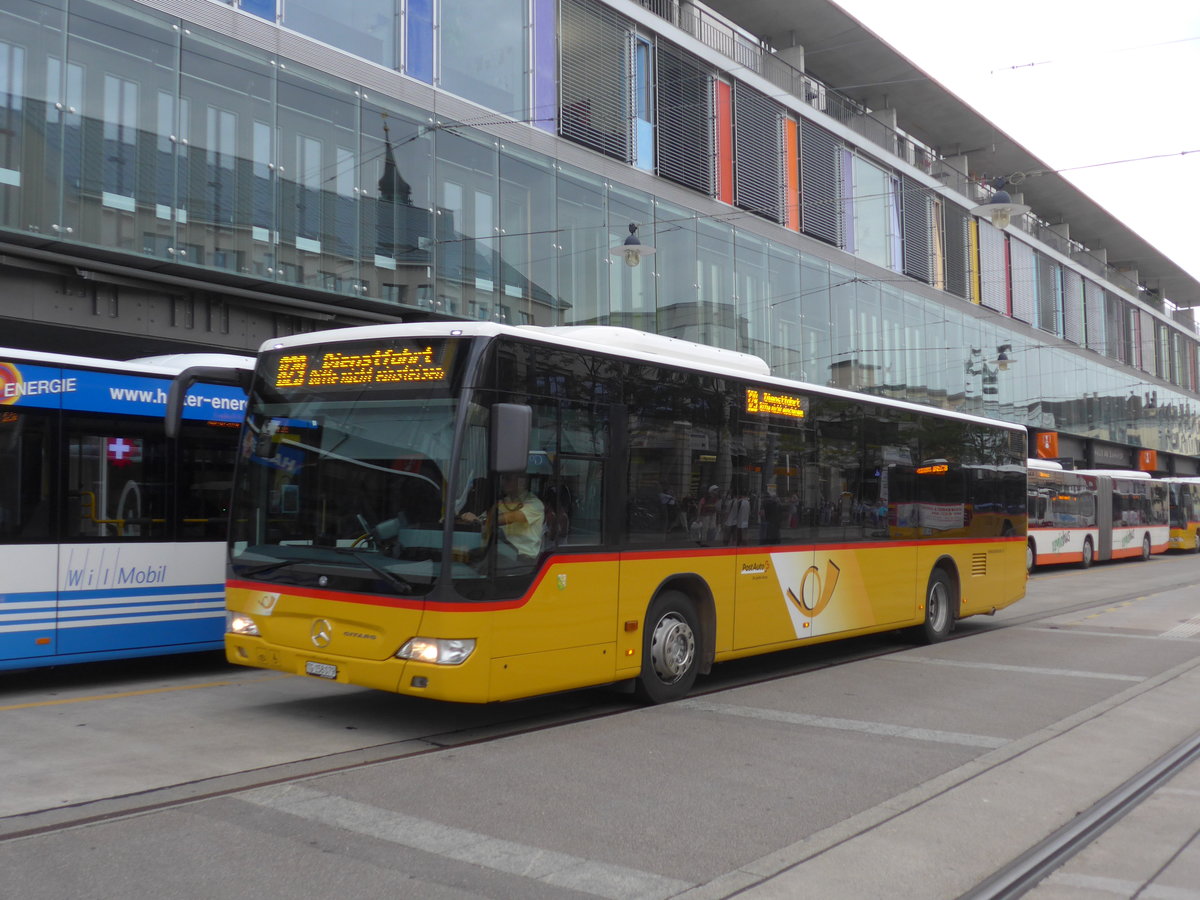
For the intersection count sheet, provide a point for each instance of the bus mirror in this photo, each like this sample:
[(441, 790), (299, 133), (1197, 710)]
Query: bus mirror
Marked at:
[(510, 437), (185, 379)]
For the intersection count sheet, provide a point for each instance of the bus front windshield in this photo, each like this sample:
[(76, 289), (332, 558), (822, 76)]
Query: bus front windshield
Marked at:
[(353, 491), (343, 489)]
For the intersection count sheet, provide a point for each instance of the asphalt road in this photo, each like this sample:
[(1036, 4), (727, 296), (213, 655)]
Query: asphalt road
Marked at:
[(871, 767)]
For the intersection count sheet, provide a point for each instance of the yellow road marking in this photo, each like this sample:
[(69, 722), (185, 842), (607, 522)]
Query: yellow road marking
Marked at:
[(123, 695)]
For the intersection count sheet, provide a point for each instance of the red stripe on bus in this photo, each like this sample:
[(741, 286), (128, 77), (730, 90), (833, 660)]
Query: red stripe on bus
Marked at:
[(517, 602)]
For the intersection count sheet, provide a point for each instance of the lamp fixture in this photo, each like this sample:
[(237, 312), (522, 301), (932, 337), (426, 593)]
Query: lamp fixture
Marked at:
[(632, 250), (1000, 208)]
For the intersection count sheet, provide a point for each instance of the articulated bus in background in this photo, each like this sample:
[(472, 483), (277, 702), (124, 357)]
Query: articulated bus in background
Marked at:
[(1080, 516), (111, 537), (474, 512), (1185, 513)]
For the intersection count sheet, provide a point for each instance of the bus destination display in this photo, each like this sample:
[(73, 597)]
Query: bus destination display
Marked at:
[(776, 404), (384, 366)]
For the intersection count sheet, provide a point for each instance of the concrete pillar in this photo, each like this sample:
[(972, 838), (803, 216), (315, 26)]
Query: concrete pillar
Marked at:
[(793, 56)]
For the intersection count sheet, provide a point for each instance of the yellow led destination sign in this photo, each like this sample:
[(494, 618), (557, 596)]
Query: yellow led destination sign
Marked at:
[(771, 403), (383, 366), (938, 469)]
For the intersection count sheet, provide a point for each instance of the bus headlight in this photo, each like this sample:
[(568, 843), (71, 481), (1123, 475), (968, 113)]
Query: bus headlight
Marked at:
[(440, 651), (236, 623)]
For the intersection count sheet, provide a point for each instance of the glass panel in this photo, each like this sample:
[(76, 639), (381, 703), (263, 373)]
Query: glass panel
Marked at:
[(583, 267), (643, 105), (418, 40), (752, 296), (527, 238), (318, 132), (632, 287), (545, 65), (32, 110), (717, 322), (467, 281), (263, 8), (675, 242), (395, 180), (125, 61), (485, 63), (783, 314), (225, 207), (366, 28), (872, 200), (815, 321)]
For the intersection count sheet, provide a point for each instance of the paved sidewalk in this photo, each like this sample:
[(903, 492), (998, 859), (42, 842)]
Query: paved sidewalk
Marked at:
[(941, 840)]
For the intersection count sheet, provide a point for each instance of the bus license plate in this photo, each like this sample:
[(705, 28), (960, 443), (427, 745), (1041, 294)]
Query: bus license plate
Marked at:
[(321, 670)]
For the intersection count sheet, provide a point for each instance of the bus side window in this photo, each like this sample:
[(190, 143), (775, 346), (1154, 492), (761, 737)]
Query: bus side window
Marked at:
[(205, 468), (116, 479), (25, 476)]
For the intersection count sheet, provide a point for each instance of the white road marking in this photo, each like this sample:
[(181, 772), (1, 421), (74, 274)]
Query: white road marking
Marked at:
[(557, 869), (1000, 667), (880, 728)]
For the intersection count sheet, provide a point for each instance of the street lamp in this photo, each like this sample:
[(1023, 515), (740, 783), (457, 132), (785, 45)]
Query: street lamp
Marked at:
[(1000, 207), (632, 249)]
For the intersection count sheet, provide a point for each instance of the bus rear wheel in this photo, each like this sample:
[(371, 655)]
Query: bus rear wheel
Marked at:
[(1145, 546), (1088, 555), (1030, 556), (670, 649), (940, 605)]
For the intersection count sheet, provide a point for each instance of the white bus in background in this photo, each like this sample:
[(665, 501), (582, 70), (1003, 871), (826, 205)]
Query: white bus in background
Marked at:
[(1083, 515), (112, 538)]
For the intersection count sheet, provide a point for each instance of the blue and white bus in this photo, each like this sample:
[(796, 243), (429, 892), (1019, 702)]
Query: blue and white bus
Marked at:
[(112, 538)]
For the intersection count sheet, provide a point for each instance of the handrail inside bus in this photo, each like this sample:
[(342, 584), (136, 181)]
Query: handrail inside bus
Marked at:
[(182, 382)]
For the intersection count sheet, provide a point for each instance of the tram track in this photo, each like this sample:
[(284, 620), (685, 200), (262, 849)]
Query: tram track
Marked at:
[(92, 812), (1028, 870)]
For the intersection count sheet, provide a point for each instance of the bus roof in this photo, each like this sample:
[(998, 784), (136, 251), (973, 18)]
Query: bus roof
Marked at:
[(1117, 473), (168, 366), (1043, 464), (627, 343)]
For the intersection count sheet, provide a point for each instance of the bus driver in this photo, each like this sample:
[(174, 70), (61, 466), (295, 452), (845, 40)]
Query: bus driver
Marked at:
[(520, 515)]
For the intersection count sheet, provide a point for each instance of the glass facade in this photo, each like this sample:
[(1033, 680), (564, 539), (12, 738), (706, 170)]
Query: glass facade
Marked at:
[(130, 131)]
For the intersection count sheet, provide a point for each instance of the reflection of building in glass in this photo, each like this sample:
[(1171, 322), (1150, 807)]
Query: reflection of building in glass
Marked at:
[(213, 174)]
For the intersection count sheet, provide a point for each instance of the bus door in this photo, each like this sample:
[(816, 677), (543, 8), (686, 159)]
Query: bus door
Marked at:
[(1104, 517), (28, 556)]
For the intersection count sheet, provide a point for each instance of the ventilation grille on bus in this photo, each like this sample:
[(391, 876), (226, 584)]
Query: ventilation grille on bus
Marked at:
[(978, 563)]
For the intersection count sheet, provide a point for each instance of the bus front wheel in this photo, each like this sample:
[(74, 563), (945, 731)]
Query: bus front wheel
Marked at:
[(1030, 556), (1145, 546), (940, 597), (1085, 559), (670, 649)]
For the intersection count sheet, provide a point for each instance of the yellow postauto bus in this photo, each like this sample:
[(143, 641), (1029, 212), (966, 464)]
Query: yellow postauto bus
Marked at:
[(474, 512)]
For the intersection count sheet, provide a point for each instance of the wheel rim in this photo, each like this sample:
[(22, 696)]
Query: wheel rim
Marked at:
[(1029, 557), (1087, 552), (1146, 547), (672, 648), (937, 608)]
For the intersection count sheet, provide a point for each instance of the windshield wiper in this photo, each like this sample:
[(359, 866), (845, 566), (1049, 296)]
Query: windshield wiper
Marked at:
[(395, 580), (262, 568)]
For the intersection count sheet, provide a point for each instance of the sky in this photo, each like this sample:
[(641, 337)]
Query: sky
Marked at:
[(1080, 83)]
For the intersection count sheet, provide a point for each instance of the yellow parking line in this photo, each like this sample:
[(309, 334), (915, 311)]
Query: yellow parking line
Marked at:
[(121, 696)]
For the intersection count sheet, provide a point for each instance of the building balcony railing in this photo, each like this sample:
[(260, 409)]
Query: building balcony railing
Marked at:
[(754, 54)]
